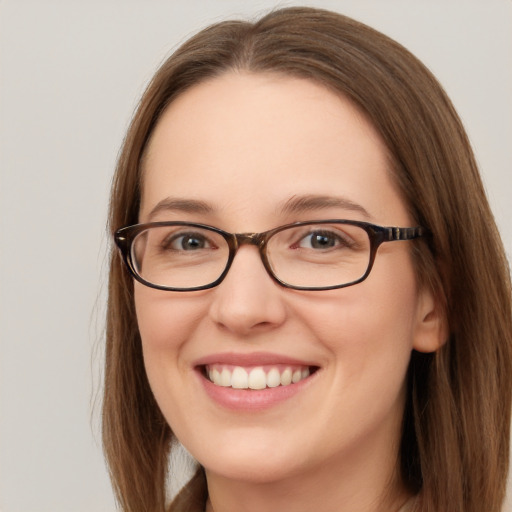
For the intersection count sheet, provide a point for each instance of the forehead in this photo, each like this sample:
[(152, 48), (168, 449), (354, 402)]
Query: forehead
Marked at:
[(260, 139)]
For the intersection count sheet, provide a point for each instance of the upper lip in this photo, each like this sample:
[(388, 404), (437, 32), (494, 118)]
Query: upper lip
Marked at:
[(250, 359)]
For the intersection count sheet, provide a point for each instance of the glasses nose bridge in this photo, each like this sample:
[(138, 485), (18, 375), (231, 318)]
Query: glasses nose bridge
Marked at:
[(257, 239)]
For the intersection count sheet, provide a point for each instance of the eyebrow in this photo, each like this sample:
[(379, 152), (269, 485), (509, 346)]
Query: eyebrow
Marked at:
[(311, 202), (294, 205), (181, 205)]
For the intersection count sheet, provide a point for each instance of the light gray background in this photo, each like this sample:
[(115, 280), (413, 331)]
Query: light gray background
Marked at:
[(71, 73)]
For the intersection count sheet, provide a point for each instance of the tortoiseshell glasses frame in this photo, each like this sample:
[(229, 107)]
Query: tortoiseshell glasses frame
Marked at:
[(312, 255)]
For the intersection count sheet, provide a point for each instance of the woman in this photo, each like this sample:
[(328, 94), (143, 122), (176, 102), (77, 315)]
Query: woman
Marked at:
[(305, 360)]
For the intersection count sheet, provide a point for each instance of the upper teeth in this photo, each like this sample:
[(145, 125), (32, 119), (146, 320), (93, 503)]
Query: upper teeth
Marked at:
[(255, 378)]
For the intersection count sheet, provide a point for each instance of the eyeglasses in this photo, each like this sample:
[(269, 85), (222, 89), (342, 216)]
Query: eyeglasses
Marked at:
[(313, 255)]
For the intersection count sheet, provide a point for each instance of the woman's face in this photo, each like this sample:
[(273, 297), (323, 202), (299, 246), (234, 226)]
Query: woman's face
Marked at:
[(247, 153)]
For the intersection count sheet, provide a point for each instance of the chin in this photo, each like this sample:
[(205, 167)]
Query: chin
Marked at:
[(253, 471)]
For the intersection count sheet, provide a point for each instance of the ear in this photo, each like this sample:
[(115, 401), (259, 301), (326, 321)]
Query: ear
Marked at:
[(431, 329)]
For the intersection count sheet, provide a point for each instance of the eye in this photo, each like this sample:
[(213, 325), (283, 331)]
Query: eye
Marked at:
[(321, 240), (187, 242)]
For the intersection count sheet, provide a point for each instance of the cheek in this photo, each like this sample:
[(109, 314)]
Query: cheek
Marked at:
[(369, 328), (166, 322), (164, 319), (365, 318)]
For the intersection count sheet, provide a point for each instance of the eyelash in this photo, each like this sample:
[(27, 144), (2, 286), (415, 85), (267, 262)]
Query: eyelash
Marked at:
[(339, 239), (169, 241)]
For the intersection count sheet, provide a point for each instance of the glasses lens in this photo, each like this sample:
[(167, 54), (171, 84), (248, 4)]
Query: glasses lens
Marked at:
[(319, 255), (179, 256)]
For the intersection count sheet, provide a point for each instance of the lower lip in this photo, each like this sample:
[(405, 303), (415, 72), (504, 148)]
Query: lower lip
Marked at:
[(249, 399)]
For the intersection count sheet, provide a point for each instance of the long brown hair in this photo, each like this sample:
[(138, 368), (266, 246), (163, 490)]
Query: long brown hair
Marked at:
[(455, 442)]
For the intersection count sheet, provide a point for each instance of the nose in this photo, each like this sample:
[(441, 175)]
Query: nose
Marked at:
[(247, 301)]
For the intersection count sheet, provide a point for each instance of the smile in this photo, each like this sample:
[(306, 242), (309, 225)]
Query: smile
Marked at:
[(255, 378), (254, 382)]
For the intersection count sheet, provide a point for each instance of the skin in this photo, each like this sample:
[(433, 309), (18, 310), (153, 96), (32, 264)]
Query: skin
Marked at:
[(246, 144)]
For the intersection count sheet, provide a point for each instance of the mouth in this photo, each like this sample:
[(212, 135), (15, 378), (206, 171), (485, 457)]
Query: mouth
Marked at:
[(256, 377), (254, 381)]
